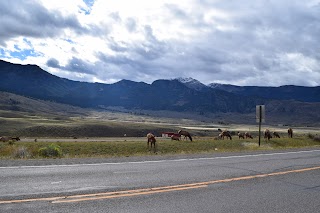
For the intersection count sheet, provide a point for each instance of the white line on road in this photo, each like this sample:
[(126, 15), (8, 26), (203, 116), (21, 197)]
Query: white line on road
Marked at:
[(161, 161)]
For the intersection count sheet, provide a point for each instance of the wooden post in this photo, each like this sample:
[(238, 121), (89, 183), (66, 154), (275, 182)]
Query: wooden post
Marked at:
[(260, 119)]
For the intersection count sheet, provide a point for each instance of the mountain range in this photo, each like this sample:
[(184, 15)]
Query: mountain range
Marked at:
[(286, 92), (181, 94)]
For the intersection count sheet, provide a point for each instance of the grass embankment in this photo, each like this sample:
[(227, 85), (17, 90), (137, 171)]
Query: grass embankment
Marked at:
[(80, 149)]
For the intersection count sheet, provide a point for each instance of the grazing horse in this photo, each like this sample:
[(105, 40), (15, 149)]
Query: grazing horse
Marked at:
[(267, 134), (241, 135), (276, 135), (185, 134), (225, 133), (175, 137), (248, 135), (6, 139), (290, 133), (152, 140)]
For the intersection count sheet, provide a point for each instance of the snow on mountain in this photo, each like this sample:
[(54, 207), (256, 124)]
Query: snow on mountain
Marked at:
[(192, 83), (214, 85)]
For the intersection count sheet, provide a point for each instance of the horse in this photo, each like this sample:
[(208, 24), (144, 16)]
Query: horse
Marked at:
[(175, 137), (185, 134), (152, 140), (6, 139), (276, 135), (225, 133), (290, 133), (267, 134), (241, 135), (248, 135)]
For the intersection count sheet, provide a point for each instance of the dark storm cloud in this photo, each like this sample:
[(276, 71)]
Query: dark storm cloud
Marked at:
[(130, 65), (30, 19), (74, 65), (80, 66), (134, 67), (119, 60), (54, 63)]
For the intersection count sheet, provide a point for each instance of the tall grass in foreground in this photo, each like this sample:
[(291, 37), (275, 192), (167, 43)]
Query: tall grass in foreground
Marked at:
[(139, 148)]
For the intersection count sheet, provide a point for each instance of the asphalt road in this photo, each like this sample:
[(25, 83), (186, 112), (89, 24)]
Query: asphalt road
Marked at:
[(281, 181)]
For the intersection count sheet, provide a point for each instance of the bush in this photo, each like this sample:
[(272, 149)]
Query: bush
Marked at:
[(51, 150), (21, 152), (11, 142)]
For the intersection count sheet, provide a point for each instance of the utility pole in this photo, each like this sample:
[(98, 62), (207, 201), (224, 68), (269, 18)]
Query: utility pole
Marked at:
[(260, 117)]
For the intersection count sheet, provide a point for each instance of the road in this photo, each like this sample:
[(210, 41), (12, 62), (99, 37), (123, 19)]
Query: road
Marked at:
[(281, 181)]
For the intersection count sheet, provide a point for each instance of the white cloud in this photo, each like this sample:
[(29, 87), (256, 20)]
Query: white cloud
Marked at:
[(237, 42)]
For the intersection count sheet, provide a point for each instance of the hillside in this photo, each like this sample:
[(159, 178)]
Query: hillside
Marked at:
[(32, 81), (27, 117), (286, 92), (286, 104)]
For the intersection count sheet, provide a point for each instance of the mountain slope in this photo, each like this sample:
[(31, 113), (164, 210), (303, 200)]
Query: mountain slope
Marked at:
[(183, 95), (32, 81), (287, 92)]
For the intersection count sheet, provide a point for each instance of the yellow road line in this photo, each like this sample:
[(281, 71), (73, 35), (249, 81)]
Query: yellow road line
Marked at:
[(144, 191), (127, 195), (30, 200)]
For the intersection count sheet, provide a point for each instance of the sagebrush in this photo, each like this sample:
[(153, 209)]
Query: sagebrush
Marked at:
[(52, 150)]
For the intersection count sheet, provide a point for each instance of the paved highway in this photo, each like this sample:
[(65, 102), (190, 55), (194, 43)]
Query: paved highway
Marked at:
[(281, 181)]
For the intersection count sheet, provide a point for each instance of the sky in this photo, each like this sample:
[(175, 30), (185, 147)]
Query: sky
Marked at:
[(240, 42)]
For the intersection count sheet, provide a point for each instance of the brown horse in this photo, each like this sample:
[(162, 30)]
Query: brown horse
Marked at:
[(225, 133), (241, 135), (290, 133), (175, 137), (185, 134), (276, 135), (6, 139), (267, 134), (152, 141), (248, 135)]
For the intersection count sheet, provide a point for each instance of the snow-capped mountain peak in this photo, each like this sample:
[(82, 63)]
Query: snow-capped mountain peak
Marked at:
[(192, 83), (215, 85)]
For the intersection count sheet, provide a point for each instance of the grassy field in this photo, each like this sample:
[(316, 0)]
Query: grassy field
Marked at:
[(101, 134), (48, 129), (77, 148)]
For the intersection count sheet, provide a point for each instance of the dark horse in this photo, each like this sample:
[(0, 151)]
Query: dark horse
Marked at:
[(185, 134), (152, 140), (6, 139), (290, 133), (225, 133), (267, 134)]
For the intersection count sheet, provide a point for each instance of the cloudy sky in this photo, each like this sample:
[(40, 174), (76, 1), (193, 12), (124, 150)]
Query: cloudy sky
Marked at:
[(241, 42)]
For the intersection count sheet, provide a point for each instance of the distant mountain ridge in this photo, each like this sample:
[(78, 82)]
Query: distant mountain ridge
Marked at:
[(176, 94), (286, 92)]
